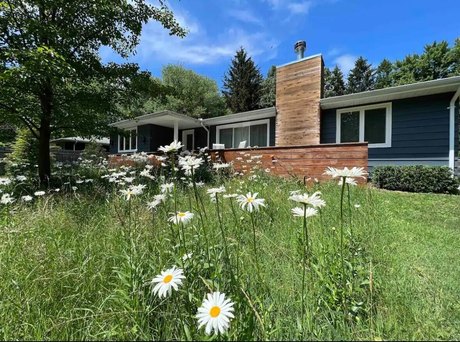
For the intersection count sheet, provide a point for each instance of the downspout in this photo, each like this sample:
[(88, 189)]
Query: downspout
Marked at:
[(452, 130), (207, 131)]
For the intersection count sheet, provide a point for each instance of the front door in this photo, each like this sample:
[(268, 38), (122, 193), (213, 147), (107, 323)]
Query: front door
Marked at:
[(188, 139)]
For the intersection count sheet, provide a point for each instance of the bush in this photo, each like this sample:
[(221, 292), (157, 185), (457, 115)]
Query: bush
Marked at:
[(416, 178)]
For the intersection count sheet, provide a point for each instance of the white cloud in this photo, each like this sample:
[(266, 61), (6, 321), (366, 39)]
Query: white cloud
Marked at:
[(198, 47), (245, 16), (345, 62), (299, 7)]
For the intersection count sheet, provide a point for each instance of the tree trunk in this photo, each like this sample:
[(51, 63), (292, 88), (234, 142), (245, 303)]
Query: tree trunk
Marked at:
[(44, 160)]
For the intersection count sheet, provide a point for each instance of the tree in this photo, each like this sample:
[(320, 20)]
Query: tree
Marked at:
[(384, 75), (268, 97), (435, 62), (454, 55), (188, 93), (334, 83), (361, 77), (51, 75), (242, 84)]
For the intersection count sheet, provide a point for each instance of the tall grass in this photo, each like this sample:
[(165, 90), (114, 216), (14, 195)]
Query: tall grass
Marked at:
[(78, 265)]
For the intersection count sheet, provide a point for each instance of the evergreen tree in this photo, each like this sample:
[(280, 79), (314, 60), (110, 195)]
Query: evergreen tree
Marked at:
[(435, 61), (361, 77), (268, 98), (384, 75), (408, 70), (454, 55), (336, 83), (242, 84)]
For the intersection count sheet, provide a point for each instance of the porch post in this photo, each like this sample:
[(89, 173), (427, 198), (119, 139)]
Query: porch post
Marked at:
[(176, 130)]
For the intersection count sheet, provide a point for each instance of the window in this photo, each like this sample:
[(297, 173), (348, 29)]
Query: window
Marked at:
[(128, 141), (366, 123), (255, 133)]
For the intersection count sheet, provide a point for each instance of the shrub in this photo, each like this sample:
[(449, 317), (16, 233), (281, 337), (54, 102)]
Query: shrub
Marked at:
[(416, 178)]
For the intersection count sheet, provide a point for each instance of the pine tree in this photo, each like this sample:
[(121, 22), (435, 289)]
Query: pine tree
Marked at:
[(361, 77), (268, 98), (242, 84), (435, 62), (384, 75), (336, 82)]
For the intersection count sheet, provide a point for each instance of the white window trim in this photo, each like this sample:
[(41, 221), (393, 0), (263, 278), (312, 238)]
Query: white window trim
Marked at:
[(243, 124), (361, 110), (184, 137), (123, 137)]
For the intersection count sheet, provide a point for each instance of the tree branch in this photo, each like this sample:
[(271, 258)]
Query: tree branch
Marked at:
[(30, 125)]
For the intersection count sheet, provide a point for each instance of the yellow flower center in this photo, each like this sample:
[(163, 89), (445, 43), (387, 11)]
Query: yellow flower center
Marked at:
[(180, 214), (214, 312), (167, 279), (250, 199)]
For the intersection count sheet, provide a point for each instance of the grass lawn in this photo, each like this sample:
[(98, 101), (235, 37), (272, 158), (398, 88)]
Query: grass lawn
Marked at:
[(417, 266), (78, 265)]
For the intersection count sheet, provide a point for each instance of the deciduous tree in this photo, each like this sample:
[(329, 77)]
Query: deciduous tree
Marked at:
[(51, 74)]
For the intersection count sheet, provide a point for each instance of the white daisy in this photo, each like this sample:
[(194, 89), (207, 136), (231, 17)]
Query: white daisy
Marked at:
[(21, 178), (215, 313), (131, 191), (230, 195), (214, 191), (190, 162), (348, 180), (173, 147), (307, 211), (39, 193), (181, 217), (6, 199), (346, 172), (250, 201), (166, 281), (26, 198), (219, 166), (166, 188), (5, 181), (313, 200)]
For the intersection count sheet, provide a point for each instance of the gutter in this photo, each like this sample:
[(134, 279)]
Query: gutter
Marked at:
[(452, 130), (207, 131)]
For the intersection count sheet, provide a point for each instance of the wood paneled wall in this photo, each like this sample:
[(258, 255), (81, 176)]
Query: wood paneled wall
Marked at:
[(298, 91), (298, 161)]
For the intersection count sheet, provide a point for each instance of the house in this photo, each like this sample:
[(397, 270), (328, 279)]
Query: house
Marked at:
[(79, 143), (409, 124)]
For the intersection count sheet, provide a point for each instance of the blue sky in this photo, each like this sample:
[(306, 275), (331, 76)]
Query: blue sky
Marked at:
[(341, 30)]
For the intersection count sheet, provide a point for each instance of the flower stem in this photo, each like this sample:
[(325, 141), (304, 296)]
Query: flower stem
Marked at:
[(304, 264), (341, 245)]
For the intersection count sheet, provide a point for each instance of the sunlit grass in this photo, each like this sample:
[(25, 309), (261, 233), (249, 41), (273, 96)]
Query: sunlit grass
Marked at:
[(79, 265)]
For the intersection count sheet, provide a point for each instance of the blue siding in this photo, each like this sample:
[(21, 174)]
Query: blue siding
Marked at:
[(420, 128)]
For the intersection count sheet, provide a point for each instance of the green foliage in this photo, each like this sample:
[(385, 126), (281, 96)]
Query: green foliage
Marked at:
[(188, 93), (7, 135), (268, 97), (383, 75), (417, 178), (242, 84), (53, 80), (334, 84), (361, 77), (24, 149)]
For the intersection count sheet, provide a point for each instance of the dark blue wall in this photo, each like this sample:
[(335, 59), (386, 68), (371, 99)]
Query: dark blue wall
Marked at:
[(420, 128)]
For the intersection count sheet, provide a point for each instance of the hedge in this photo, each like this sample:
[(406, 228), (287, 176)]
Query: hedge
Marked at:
[(416, 178)]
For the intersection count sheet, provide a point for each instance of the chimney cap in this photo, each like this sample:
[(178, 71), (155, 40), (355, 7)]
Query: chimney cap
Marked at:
[(300, 44)]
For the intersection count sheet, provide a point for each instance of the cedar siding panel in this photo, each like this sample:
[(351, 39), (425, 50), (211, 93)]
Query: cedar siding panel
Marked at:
[(420, 128)]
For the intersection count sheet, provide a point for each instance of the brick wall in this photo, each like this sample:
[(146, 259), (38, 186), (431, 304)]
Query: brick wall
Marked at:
[(299, 161)]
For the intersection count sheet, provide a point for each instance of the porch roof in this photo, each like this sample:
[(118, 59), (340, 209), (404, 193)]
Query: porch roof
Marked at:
[(165, 118)]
